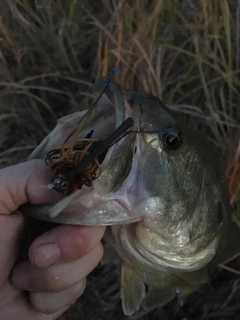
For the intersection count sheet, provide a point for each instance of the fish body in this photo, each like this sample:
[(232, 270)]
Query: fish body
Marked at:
[(160, 190)]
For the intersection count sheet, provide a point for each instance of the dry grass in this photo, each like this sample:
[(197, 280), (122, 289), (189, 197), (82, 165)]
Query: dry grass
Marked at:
[(46, 69), (186, 52)]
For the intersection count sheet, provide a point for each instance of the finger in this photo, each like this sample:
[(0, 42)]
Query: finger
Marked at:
[(22, 309), (25, 182), (56, 277), (10, 228), (51, 302), (64, 244)]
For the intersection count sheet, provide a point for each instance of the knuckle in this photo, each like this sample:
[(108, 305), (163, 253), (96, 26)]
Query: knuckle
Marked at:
[(81, 244), (74, 245)]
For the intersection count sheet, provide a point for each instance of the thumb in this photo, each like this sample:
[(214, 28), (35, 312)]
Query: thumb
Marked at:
[(25, 182)]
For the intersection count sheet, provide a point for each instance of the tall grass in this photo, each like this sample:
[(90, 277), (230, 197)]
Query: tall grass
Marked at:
[(185, 52), (46, 68)]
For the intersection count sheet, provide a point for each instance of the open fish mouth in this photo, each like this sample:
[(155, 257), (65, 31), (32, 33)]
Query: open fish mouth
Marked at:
[(100, 163)]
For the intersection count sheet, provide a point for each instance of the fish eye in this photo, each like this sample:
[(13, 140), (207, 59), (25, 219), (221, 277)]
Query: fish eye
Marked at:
[(173, 139)]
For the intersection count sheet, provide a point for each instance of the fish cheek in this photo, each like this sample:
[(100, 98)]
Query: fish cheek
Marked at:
[(157, 174), (153, 168)]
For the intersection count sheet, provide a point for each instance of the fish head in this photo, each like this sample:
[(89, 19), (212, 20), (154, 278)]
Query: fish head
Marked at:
[(174, 186), (160, 176)]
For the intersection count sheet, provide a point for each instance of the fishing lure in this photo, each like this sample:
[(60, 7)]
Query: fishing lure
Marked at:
[(60, 161), (81, 167), (66, 163)]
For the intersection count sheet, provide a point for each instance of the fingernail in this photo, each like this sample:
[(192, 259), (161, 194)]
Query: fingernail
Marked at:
[(47, 254)]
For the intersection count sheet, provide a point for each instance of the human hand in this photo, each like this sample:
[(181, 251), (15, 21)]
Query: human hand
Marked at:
[(59, 260)]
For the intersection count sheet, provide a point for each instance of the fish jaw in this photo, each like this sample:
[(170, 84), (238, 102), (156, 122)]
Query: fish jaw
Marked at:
[(140, 246), (99, 205)]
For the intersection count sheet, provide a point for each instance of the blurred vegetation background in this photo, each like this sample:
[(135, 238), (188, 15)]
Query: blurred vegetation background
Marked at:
[(186, 52)]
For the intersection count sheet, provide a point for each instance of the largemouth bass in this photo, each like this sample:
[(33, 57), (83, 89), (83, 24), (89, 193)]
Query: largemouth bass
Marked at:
[(159, 186)]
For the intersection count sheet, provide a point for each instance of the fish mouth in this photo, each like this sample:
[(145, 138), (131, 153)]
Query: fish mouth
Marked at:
[(117, 196), (123, 191), (112, 195)]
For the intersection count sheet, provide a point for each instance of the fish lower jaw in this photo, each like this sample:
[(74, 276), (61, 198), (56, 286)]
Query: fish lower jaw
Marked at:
[(175, 263), (188, 263), (151, 254)]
